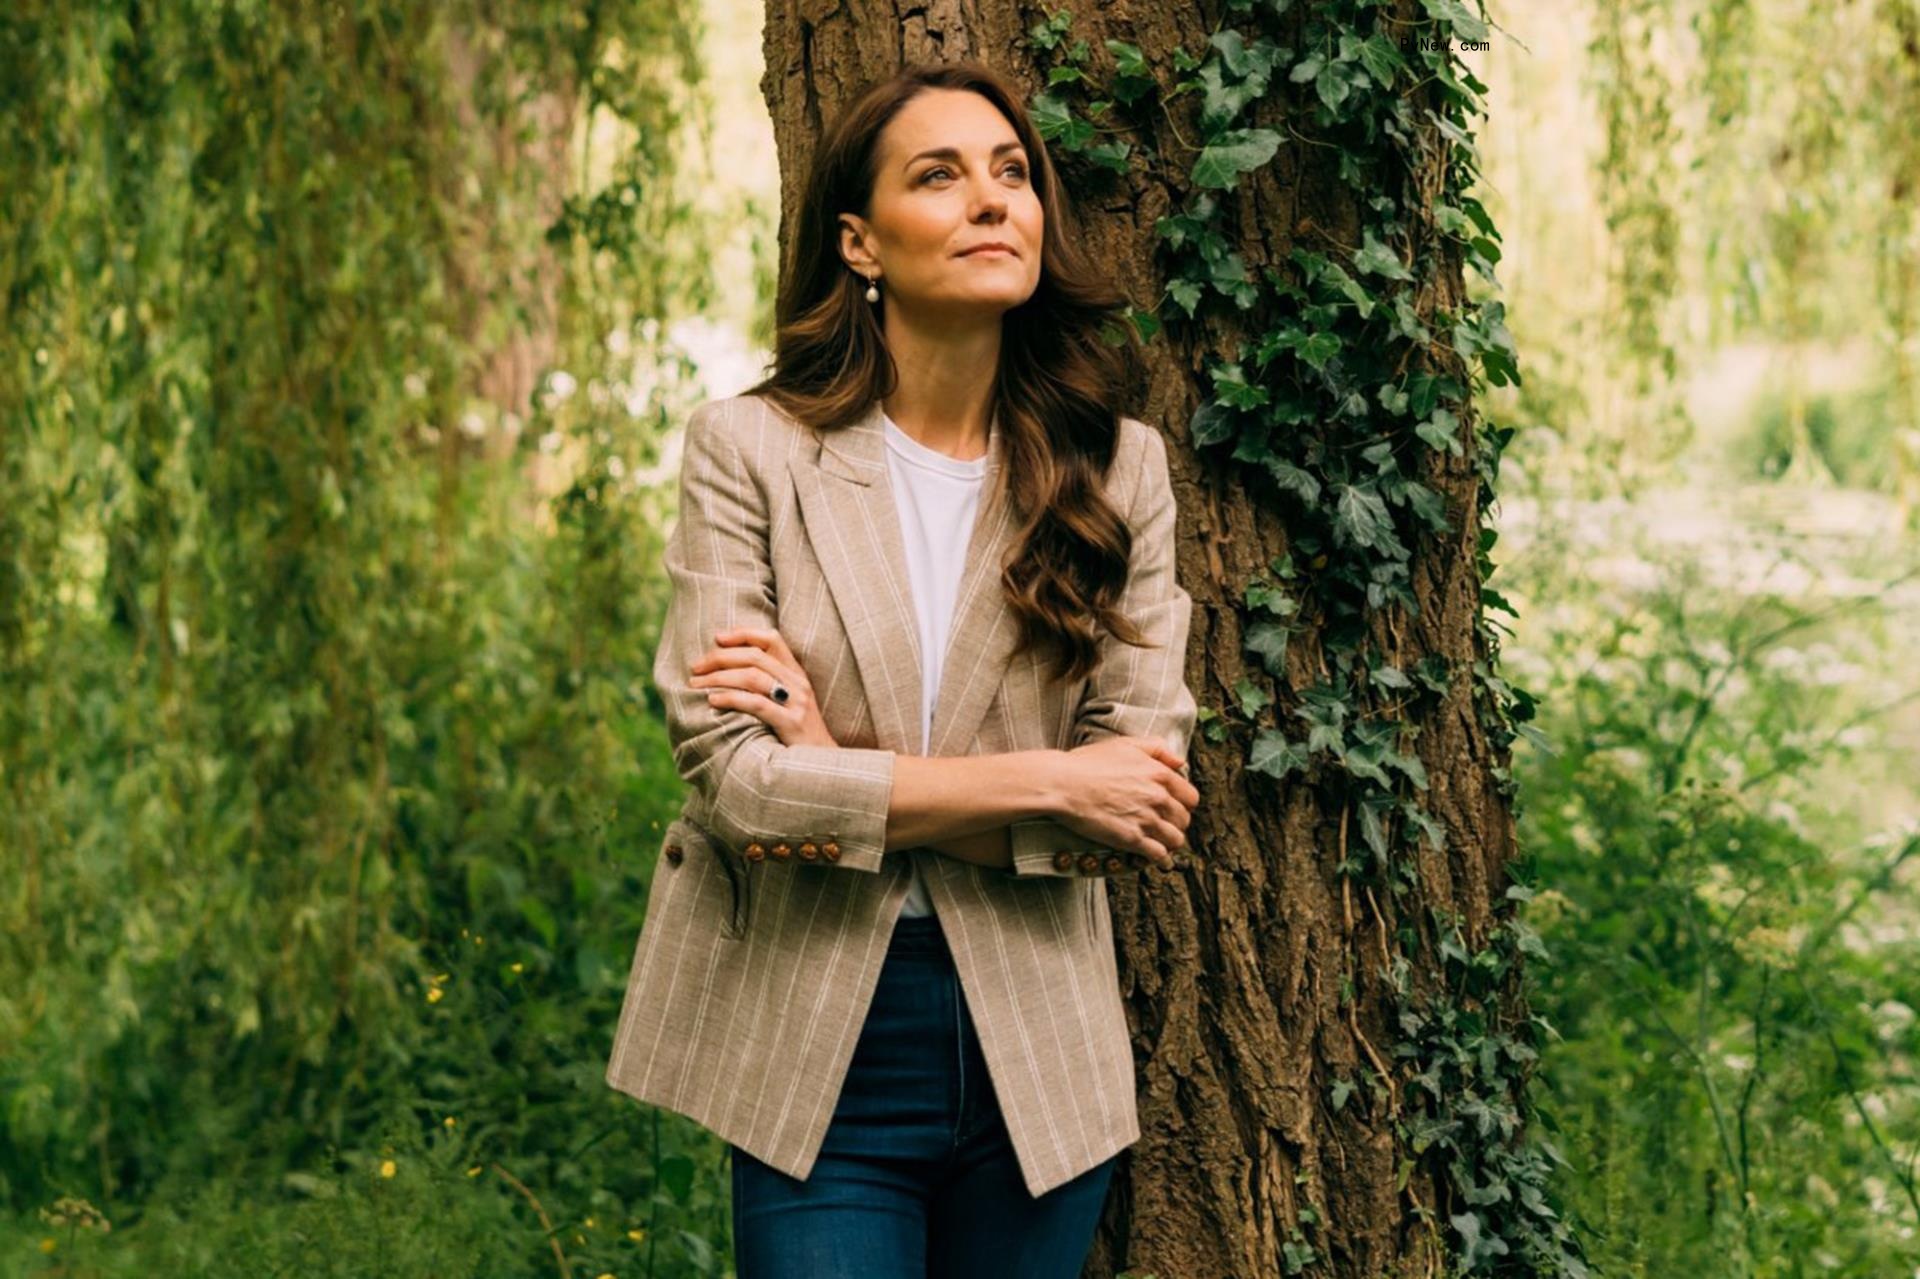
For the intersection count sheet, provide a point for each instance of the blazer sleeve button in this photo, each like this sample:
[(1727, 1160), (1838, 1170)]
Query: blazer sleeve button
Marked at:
[(1089, 863), (830, 850), (756, 851), (809, 851), (674, 854), (781, 851), (1063, 860), (1115, 864)]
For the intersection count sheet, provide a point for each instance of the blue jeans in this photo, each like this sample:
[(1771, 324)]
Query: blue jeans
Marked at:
[(917, 1177)]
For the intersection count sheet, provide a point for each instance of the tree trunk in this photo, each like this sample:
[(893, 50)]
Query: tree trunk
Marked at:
[(1268, 983)]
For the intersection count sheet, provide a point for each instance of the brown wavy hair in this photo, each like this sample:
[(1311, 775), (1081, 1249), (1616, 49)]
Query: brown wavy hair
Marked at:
[(1058, 390)]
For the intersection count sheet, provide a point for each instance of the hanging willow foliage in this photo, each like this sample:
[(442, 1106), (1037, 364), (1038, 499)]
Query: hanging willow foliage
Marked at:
[(289, 713)]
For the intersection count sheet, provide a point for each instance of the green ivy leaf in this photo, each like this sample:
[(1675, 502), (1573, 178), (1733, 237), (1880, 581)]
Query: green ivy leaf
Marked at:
[(1464, 22), (1132, 79), (1111, 155), (1275, 756), (1127, 58), (1389, 677), (1381, 59), (1441, 431), (1252, 698), (1233, 153), (1271, 598), (1269, 640), (1047, 35), (1407, 322), (1292, 479), (1332, 86), (1186, 293), (1211, 424), (1361, 519), (1056, 122), (1320, 348), (1429, 506), (1232, 389), (1377, 259)]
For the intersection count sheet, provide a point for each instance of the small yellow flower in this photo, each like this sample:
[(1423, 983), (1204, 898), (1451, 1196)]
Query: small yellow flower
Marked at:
[(386, 1168), (433, 995), (516, 966), (474, 1171), (48, 1244), (478, 940), (588, 1223), (463, 932), (449, 1121), (638, 1236)]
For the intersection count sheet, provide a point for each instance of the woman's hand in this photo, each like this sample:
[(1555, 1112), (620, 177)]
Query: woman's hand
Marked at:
[(741, 674), (1127, 793)]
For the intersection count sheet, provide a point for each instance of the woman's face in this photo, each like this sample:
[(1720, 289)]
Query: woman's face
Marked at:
[(929, 209)]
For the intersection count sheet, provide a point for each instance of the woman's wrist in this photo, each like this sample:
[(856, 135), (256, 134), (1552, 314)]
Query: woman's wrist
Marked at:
[(1052, 795), (936, 799), (990, 848)]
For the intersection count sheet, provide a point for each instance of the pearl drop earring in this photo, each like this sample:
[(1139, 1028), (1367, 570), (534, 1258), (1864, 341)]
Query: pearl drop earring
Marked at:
[(873, 289)]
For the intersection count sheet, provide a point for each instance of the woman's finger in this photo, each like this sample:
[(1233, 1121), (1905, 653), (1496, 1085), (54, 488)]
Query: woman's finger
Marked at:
[(766, 639), (748, 679), (785, 721), (730, 658), (747, 657), (743, 699)]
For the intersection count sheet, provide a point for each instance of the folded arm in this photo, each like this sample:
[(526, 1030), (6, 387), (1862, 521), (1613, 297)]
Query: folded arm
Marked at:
[(756, 790), (837, 805)]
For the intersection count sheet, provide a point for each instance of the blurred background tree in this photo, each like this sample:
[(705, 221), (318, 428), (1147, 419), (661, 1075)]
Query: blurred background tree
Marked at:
[(334, 389)]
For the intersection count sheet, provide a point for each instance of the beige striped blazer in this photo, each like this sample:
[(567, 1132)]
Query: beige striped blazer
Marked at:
[(772, 905)]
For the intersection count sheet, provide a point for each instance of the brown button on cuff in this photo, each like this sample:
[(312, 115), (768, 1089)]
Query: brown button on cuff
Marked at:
[(1089, 863), (674, 854), (1115, 864), (782, 850), (1063, 860), (809, 851), (830, 850), (756, 851)]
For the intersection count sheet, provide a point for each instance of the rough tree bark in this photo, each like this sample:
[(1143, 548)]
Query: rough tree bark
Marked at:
[(1233, 970)]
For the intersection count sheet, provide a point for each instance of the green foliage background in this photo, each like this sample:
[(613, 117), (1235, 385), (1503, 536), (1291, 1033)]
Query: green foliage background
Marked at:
[(329, 783), (337, 407)]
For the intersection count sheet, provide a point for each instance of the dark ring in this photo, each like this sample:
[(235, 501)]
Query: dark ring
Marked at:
[(780, 693)]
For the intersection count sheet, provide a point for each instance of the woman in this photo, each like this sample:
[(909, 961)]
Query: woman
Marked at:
[(923, 668)]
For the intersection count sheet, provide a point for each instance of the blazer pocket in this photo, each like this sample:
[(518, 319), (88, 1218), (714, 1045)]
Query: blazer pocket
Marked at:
[(724, 878)]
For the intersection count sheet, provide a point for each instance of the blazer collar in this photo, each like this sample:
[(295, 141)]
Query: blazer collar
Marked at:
[(847, 509)]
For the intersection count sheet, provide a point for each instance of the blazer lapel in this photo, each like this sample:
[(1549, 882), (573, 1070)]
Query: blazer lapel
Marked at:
[(847, 508)]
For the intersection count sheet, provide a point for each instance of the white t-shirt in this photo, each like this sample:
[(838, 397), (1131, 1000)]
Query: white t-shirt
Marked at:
[(938, 498)]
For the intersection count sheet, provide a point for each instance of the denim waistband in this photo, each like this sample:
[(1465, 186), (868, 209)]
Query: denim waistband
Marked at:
[(917, 935)]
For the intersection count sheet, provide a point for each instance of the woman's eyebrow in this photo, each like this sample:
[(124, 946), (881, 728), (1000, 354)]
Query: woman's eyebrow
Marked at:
[(950, 153)]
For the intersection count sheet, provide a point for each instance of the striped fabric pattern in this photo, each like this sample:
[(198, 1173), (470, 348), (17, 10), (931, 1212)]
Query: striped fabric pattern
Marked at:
[(751, 978)]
